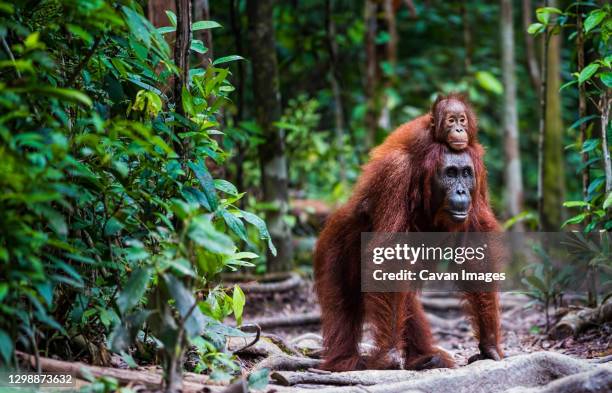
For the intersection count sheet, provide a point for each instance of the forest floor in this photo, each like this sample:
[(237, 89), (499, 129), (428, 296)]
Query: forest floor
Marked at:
[(289, 318), (290, 347), (523, 328)]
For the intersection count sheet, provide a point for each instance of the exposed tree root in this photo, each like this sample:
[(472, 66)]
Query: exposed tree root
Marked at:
[(287, 363), (292, 281), (596, 381), (576, 321), (151, 379), (531, 370), (293, 320)]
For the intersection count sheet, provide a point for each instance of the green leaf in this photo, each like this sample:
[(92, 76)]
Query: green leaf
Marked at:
[(227, 59), (234, 224), (575, 220), (535, 28), (589, 145), (112, 227), (204, 24), (261, 226), (582, 120), (195, 322), (594, 19), (6, 347), (608, 202), (568, 84), (576, 204), (606, 78), (489, 82), (166, 29), (537, 283), (198, 46), (171, 17), (226, 187), (134, 289), (259, 379), (587, 72), (203, 233), (3, 290), (238, 302), (206, 181), (65, 94)]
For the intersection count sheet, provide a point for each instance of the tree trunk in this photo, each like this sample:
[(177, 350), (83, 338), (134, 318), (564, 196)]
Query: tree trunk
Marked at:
[(156, 12), (236, 25), (332, 47), (553, 171), (513, 176), (384, 120), (467, 36), (371, 83), (532, 62), (586, 179), (181, 59), (605, 101), (201, 11), (268, 107)]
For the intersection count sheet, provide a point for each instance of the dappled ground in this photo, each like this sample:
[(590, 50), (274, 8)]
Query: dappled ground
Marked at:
[(289, 320), (290, 346), (523, 328)]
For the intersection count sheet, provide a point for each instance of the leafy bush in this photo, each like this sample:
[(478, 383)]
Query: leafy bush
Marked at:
[(110, 218)]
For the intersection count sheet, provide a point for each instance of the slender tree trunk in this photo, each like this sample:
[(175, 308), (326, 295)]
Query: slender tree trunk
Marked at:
[(467, 35), (542, 131), (236, 26), (268, 106), (156, 12), (532, 62), (332, 47), (181, 59), (605, 102), (371, 83), (553, 171), (173, 381), (201, 11), (513, 178), (582, 103), (384, 121)]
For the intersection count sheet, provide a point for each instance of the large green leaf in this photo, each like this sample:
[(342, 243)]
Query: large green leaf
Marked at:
[(134, 289), (186, 304), (261, 227), (594, 19), (207, 183), (489, 82), (6, 347), (204, 24), (587, 72)]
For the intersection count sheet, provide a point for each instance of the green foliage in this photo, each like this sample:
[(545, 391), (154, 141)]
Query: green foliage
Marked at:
[(111, 219), (544, 281)]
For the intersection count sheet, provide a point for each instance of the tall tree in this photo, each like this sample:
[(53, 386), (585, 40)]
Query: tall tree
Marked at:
[(582, 105), (272, 158), (513, 177), (334, 77), (372, 76), (532, 61), (201, 11), (553, 172)]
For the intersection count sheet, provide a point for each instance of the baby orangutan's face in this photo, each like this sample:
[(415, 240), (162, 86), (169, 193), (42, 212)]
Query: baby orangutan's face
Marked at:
[(454, 127)]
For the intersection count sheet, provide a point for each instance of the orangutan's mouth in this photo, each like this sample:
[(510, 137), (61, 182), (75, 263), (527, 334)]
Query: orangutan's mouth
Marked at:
[(458, 216)]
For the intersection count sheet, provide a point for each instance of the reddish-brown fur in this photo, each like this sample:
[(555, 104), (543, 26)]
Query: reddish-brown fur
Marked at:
[(394, 194)]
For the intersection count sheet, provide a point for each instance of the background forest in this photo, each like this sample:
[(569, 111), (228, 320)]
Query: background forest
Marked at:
[(150, 147)]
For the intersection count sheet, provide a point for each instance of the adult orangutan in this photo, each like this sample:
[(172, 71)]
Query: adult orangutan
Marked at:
[(427, 176)]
